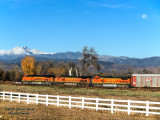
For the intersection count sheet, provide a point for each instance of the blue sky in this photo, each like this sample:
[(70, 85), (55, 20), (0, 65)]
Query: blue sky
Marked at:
[(113, 27)]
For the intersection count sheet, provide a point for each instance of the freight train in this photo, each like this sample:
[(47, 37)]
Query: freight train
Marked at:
[(136, 80), (84, 81)]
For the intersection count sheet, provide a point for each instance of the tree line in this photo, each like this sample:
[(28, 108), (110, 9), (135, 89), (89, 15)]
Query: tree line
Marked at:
[(86, 66), (11, 75)]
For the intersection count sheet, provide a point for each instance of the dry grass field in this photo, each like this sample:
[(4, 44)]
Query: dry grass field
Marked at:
[(41, 112), (118, 93), (23, 111)]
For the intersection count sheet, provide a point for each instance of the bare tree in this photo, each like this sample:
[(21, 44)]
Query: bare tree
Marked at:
[(89, 59)]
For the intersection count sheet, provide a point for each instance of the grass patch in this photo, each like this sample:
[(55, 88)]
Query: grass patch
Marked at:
[(77, 91), (52, 112)]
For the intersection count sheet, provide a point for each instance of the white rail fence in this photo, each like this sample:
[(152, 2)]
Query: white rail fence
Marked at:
[(112, 105)]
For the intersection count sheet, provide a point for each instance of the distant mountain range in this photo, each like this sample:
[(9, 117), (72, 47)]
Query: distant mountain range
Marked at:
[(16, 54), (21, 51)]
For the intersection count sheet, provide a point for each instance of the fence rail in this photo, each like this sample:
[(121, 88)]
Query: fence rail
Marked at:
[(112, 105)]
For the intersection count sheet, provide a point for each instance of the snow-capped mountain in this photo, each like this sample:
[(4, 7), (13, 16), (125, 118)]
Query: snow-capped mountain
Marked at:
[(16, 54), (22, 51)]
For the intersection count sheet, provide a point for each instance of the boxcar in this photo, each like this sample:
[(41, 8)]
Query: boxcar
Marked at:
[(145, 80)]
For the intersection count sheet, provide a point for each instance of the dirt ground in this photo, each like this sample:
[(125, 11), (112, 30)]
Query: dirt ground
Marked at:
[(23, 111)]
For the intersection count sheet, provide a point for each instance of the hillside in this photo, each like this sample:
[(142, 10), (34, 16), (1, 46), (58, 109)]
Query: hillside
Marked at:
[(15, 55)]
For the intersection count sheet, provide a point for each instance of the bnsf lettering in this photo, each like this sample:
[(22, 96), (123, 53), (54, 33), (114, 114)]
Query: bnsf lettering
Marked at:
[(38, 79)]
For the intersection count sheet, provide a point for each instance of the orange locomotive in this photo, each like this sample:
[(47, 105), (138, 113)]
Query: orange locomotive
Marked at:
[(76, 81), (38, 79), (111, 82), (59, 80)]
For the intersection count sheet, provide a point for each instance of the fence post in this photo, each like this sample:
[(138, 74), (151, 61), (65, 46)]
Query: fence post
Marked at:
[(57, 100), (147, 108), (11, 96), (82, 103), (19, 97), (3, 96), (47, 100), (69, 101), (112, 105), (27, 98), (129, 107), (96, 104), (36, 99)]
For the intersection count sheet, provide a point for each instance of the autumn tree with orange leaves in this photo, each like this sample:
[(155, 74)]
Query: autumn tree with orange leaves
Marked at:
[(28, 65)]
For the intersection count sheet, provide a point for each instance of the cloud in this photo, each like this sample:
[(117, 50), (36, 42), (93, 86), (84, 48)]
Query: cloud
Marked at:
[(17, 0), (113, 6), (14, 1), (144, 16), (15, 4), (64, 10)]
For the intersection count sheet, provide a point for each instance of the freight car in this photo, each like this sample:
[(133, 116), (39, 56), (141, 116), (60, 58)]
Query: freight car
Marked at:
[(145, 80), (83, 81)]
